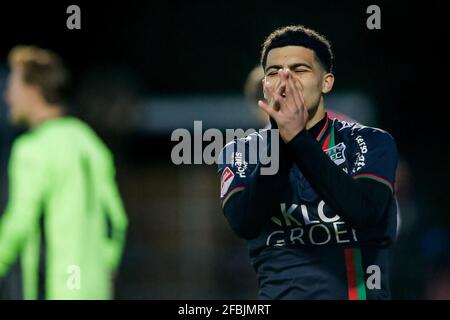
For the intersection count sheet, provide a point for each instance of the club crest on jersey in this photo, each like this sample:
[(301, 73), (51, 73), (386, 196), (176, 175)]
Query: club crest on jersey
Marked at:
[(336, 153), (226, 180)]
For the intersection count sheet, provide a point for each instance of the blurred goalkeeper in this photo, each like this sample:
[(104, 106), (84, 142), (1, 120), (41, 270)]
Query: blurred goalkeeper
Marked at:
[(64, 219)]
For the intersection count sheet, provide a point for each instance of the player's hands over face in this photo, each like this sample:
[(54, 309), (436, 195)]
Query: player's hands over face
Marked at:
[(286, 105)]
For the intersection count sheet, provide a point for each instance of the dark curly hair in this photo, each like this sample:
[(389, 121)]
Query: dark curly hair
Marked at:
[(299, 36)]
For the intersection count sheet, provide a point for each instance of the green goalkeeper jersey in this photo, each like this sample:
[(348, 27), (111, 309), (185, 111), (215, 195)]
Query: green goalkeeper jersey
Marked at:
[(64, 209)]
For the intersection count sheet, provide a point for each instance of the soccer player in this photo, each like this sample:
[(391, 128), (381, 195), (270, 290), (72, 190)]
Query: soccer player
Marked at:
[(64, 218), (322, 226)]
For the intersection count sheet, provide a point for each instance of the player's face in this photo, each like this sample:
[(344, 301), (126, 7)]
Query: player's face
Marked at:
[(17, 97), (305, 67)]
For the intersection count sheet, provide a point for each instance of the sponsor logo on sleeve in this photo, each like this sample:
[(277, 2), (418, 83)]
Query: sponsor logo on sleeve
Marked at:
[(240, 164), (360, 159)]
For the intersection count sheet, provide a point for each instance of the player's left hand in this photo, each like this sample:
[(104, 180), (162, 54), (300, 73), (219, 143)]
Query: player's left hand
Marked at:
[(292, 115)]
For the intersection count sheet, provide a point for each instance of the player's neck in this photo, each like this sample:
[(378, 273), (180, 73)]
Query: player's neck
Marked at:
[(45, 113)]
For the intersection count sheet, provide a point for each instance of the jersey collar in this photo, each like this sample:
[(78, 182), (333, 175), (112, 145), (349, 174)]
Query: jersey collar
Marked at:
[(319, 130)]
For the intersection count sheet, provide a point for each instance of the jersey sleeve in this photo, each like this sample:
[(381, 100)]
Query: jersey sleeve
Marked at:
[(236, 164), (114, 209), (26, 189), (374, 156), (250, 194)]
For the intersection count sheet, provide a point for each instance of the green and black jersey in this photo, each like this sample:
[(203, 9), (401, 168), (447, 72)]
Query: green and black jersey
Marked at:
[(323, 225)]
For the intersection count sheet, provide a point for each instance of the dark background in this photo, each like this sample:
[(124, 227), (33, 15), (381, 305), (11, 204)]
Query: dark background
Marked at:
[(204, 48)]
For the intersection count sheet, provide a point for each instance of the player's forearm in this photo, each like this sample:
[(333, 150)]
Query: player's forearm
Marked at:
[(119, 223), (114, 249), (13, 231), (117, 215), (360, 202), (248, 211)]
